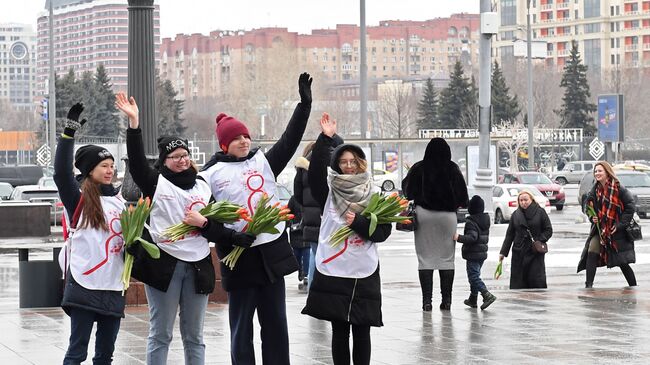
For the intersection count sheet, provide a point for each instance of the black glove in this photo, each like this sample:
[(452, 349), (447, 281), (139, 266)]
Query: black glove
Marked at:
[(304, 88), (242, 239), (73, 124), (135, 249)]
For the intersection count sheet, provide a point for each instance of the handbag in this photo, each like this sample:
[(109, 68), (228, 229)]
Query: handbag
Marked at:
[(408, 212), (538, 246), (633, 231)]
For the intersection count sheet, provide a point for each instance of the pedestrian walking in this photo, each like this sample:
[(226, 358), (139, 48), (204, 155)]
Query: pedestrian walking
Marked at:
[(438, 189), (607, 243), (346, 289), (475, 238), (528, 223), (183, 277), (241, 175), (93, 288)]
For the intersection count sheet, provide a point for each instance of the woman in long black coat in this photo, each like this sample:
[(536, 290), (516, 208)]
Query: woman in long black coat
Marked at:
[(528, 268), (607, 244)]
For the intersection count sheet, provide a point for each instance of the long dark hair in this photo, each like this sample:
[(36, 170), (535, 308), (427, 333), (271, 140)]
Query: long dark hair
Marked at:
[(93, 214)]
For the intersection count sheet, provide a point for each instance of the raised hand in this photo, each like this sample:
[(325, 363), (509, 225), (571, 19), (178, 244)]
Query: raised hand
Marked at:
[(72, 124), (128, 107), (327, 126), (304, 88)]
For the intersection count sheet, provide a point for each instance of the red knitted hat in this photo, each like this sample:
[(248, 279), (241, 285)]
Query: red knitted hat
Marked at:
[(229, 128)]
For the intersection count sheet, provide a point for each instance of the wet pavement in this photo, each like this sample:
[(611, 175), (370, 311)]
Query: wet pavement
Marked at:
[(565, 324)]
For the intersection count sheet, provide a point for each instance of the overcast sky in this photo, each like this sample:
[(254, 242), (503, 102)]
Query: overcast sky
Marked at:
[(202, 16)]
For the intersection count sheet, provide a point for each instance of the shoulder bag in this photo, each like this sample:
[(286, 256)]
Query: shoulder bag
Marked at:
[(537, 246)]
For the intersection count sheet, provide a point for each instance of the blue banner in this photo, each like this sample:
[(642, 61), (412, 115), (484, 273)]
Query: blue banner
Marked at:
[(609, 119)]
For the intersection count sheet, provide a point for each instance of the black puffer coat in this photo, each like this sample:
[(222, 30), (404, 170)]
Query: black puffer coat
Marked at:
[(475, 237)]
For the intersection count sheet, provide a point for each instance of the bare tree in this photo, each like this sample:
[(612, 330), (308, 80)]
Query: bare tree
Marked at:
[(512, 146), (397, 109)]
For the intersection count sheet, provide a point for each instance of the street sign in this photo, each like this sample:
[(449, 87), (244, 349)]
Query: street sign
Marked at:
[(43, 155), (596, 149)]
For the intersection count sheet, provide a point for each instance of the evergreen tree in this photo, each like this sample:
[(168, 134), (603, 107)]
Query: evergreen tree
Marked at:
[(505, 108), (454, 99), (106, 115), (169, 109), (427, 107), (67, 94), (469, 117), (576, 110)]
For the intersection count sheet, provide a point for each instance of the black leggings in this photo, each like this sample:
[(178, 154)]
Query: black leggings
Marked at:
[(341, 343)]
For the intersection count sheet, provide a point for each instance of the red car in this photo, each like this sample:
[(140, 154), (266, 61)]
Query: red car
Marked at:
[(553, 191)]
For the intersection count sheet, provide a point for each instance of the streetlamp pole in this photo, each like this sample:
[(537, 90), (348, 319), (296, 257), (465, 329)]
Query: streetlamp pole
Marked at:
[(51, 102), (489, 26), (363, 72), (529, 51)]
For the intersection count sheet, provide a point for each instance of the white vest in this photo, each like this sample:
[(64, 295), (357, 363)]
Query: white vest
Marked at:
[(96, 260), (244, 183), (354, 258), (169, 205)]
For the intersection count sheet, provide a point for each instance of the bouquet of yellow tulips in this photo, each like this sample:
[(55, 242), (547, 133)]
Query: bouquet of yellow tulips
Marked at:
[(132, 220), (222, 212), (380, 210), (264, 220)]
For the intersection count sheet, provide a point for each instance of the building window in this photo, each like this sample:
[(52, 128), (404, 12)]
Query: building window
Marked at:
[(592, 8), (508, 12), (592, 54)]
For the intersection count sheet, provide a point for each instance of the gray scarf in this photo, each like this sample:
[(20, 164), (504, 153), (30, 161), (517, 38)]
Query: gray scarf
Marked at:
[(350, 192)]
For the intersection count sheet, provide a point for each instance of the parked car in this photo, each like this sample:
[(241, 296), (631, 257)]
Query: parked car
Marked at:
[(638, 183), (47, 182), (37, 194), (21, 174), (283, 194), (386, 180), (504, 200), (573, 172), (5, 190), (552, 191)]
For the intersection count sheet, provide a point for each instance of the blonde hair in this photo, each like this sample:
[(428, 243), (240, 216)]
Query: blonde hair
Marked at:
[(308, 148), (527, 192), (609, 170)]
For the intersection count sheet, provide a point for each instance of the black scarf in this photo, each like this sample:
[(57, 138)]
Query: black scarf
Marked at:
[(184, 179)]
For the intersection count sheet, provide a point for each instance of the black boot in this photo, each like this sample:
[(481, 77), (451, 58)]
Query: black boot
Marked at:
[(471, 301), (446, 286), (488, 298), (426, 283), (592, 264), (629, 275)]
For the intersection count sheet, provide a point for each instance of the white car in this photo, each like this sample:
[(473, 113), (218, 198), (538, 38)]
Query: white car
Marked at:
[(504, 200), (386, 180)]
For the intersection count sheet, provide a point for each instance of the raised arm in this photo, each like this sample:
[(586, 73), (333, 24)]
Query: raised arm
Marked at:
[(145, 176), (63, 172), (283, 150), (320, 159)]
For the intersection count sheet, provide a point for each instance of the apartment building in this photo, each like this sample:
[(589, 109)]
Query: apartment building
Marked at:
[(610, 33), (88, 33), (200, 65), (18, 65)]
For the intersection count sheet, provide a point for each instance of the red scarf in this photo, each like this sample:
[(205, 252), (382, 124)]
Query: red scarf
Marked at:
[(608, 214)]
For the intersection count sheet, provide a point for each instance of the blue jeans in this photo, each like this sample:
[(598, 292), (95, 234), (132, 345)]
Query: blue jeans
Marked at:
[(81, 325), (269, 301), (302, 255), (476, 285), (312, 262), (162, 314)]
